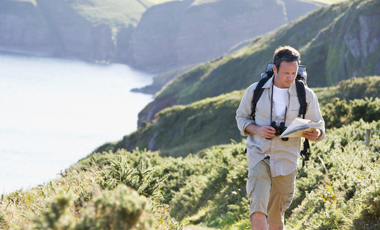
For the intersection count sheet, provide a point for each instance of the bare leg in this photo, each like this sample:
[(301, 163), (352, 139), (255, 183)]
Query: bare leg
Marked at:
[(258, 221)]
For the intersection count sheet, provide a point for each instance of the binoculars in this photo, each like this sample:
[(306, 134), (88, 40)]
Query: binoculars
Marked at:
[(279, 129)]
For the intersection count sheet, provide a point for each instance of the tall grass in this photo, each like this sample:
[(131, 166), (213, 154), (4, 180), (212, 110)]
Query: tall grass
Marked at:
[(83, 199)]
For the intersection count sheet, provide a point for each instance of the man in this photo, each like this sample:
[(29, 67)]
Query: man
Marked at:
[(273, 161)]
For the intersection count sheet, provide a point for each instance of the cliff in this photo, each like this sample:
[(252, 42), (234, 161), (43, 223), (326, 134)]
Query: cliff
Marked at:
[(23, 29), (82, 29), (169, 35), (181, 33)]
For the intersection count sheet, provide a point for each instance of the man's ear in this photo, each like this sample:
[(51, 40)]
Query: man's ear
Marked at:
[(274, 69)]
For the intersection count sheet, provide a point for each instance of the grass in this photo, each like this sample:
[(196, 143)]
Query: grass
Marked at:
[(81, 199), (115, 13)]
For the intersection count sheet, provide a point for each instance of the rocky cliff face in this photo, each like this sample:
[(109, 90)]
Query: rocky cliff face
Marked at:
[(175, 34), (53, 28), (355, 43), (23, 29), (77, 37)]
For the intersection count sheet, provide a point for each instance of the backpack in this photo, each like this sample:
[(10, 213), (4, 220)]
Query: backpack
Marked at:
[(300, 85)]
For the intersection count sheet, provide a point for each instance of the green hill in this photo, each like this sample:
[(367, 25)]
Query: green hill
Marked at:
[(183, 129), (336, 42)]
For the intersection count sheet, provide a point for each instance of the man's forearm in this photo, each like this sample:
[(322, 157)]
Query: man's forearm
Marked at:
[(251, 129)]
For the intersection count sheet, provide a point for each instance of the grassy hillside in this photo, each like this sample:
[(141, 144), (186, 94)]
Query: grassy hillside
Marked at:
[(183, 129), (115, 12), (180, 130), (338, 189), (327, 39)]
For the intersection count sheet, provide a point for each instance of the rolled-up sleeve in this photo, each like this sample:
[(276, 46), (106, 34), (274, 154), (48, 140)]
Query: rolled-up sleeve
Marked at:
[(243, 113), (313, 113)]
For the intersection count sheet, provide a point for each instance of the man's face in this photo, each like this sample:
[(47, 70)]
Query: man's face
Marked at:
[(284, 77)]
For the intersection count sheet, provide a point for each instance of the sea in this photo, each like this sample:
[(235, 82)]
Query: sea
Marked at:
[(54, 112)]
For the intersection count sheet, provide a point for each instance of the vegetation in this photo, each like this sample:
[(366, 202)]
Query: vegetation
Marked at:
[(338, 189), (183, 129), (180, 130), (92, 195)]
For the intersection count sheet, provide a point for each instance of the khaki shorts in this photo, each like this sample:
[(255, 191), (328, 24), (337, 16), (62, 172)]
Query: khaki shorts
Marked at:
[(270, 195)]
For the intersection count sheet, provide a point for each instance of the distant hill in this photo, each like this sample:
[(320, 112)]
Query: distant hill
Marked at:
[(181, 33), (152, 35), (336, 42)]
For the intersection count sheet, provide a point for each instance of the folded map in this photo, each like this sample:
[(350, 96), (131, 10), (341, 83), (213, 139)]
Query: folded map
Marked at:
[(298, 126)]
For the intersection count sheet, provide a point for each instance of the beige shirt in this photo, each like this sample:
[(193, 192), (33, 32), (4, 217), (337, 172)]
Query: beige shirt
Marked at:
[(284, 155)]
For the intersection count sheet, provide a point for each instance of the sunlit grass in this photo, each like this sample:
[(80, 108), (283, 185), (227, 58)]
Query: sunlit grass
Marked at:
[(113, 12)]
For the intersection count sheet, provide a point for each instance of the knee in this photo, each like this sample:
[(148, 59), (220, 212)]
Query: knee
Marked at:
[(258, 215)]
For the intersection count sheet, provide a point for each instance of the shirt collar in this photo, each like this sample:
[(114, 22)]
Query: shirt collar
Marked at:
[(292, 89)]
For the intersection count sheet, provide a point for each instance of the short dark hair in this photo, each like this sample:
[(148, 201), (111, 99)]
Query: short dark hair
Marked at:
[(285, 51)]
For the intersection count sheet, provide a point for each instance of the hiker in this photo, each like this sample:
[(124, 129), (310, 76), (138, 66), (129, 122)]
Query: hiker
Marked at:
[(272, 160)]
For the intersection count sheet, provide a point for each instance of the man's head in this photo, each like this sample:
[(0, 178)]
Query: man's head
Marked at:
[(286, 60)]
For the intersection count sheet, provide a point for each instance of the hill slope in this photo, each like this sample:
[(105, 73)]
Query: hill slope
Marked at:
[(338, 189), (183, 129), (336, 42)]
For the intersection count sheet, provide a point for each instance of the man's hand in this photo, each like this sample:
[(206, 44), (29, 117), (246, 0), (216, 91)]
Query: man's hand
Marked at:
[(313, 135), (265, 131)]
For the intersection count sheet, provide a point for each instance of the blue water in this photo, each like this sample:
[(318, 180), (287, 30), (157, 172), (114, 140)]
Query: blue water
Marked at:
[(54, 112)]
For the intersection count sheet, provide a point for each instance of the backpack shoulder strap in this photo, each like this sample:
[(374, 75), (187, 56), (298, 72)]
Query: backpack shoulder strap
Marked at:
[(257, 94), (301, 93)]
